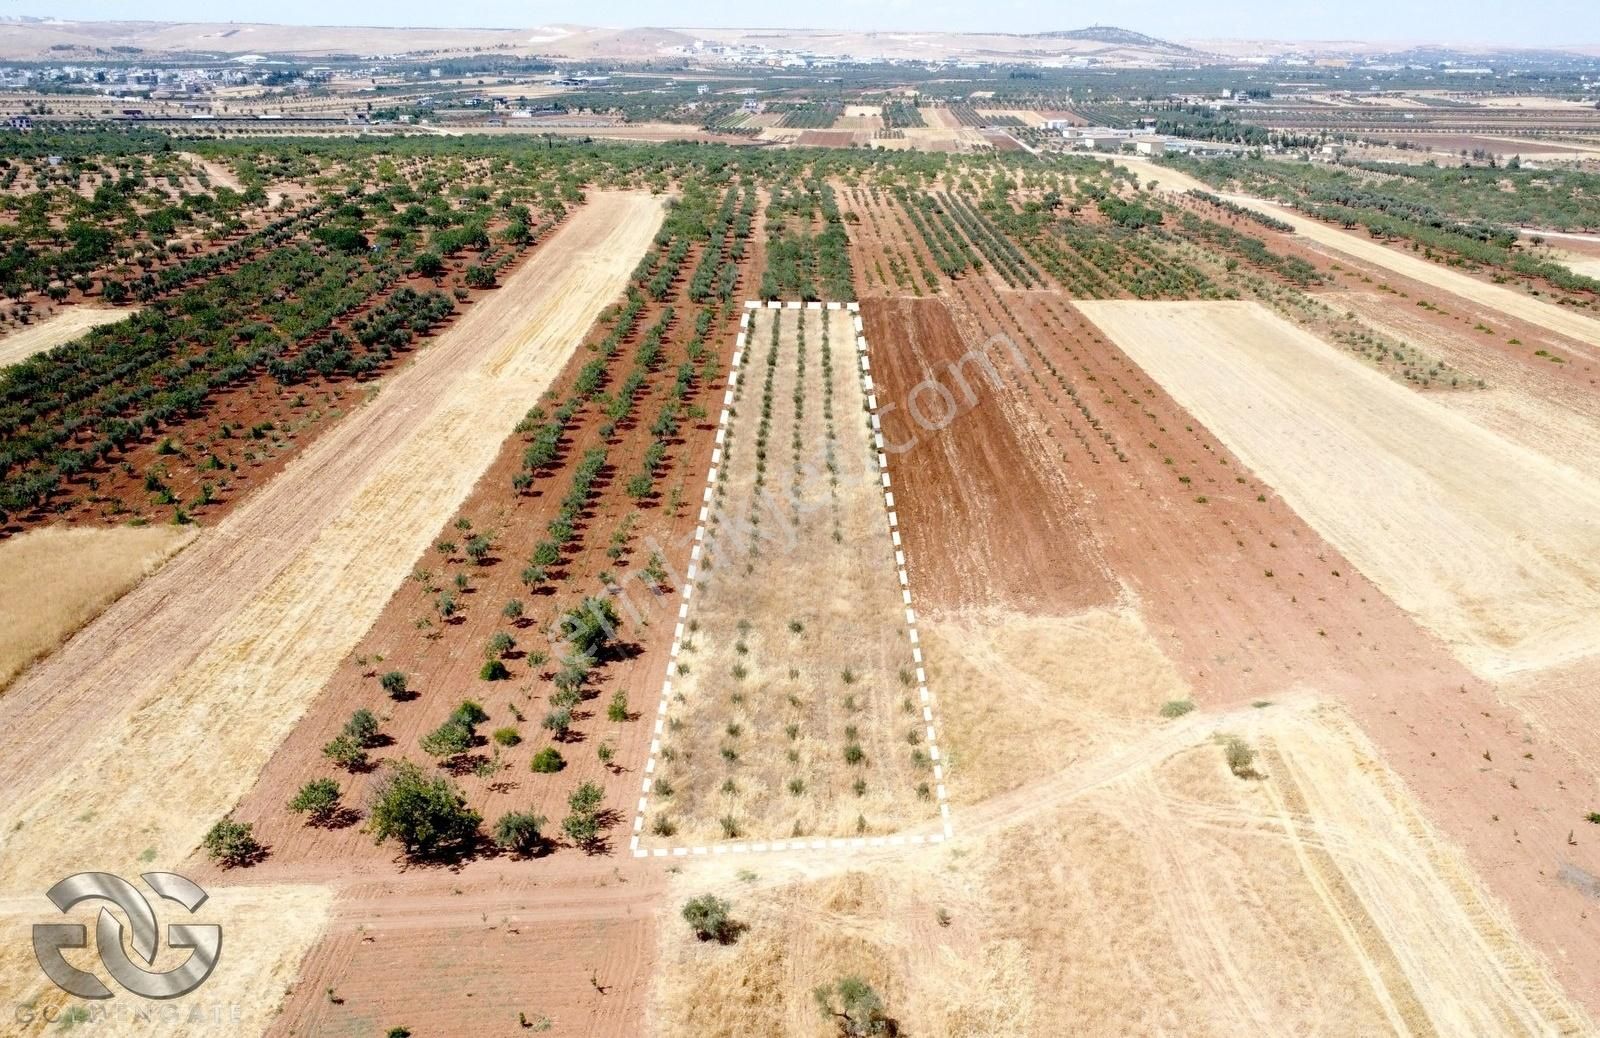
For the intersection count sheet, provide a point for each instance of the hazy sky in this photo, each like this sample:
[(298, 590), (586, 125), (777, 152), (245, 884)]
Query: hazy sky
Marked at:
[(1527, 22)]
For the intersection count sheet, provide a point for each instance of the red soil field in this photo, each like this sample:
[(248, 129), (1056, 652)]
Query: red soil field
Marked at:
[(982, 520), (299, 414)]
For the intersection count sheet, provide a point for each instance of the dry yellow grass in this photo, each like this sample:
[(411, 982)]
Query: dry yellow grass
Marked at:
[(55, 580), (1020, 695), (795, 550), (1429, 505), (1174, 898), (62, 328)]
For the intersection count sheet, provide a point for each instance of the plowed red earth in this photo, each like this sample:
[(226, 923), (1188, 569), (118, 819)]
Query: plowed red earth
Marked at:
[(984, 522)]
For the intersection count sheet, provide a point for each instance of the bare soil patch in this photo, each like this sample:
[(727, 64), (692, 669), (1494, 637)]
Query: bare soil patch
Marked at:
[(985, 521)]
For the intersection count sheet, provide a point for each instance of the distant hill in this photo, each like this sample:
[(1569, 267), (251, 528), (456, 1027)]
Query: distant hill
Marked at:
[(1112, 35)]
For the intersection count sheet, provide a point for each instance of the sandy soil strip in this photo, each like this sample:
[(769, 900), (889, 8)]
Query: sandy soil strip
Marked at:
[(1430, 506), (55, 580), (196, 677), (62, 328), (1360, 246)]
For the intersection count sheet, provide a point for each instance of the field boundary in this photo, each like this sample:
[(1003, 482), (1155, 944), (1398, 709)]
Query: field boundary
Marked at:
[(837, 843)]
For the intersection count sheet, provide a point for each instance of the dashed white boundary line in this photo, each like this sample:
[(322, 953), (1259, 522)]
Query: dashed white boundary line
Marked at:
[(826, 843)]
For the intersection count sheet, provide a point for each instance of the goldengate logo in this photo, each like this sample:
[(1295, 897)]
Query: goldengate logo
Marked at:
[(50, 938)]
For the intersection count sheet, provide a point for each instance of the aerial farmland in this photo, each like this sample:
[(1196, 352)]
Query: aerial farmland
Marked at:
[(706, 532)]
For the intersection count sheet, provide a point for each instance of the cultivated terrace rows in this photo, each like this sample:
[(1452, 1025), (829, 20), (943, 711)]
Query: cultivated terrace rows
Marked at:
[(519, 656)]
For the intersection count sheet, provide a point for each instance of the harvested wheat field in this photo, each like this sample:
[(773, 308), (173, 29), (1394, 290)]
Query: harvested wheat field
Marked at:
[(1430, 506), (62, 328), (55, 580), (304, 568), (795, 708), (1257, 870)]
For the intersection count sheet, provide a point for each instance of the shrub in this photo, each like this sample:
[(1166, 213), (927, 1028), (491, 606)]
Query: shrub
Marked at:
[(362, 728), (513, 610), (617, 709), (448, 740), (394, 683), (231, 843), (507, 736), (591, 626), (346, 753), (582, 829), (519, 831), (318, 798), (469, 713), (853, 1007), (493, 670), (1241, 758), (498, 645), (427, 815), (548, 761), (558, 722), (1176, 707), (586, 797), (708, 916)]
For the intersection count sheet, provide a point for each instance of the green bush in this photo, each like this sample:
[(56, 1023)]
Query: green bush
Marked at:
[(429, 816), (519, 831), (493, 670), (548, 761), (362, 728), (318, 798), (708, 916), (1241, 758), (231, 843), (394, 683)]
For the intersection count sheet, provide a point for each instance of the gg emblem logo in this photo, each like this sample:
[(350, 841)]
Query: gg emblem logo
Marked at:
[(50, 938)]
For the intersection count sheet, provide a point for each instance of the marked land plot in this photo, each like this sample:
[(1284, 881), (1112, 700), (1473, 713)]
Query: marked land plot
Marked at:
[(795, 712), (63, 327), (1492, 546)]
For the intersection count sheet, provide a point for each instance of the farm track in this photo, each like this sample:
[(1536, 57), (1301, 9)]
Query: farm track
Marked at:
[(154, 744)]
